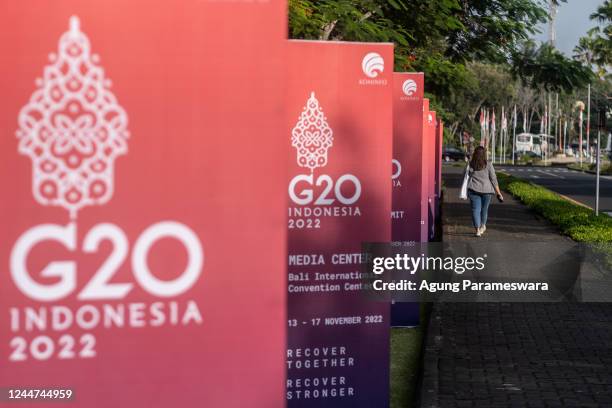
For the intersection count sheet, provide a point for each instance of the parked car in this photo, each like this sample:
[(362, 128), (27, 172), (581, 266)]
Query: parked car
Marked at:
[(452, 153)]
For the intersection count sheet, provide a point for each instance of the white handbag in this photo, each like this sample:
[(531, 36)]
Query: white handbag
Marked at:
[(464, 187)]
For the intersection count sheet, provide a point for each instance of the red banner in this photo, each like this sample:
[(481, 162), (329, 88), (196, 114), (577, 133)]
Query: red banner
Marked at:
[(143, 206), (438, 158), (433, 136), (407, 174), (425, 158), (431, 172), (439, 143), (340, 128), (407, 155)]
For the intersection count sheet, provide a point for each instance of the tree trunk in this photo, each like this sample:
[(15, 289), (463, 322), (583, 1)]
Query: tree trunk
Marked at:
[(530, 119), (327, 30), (478, 106), (329, 27), (453, 129)]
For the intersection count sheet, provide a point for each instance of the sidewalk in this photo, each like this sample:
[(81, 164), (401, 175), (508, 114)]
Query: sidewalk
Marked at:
[(514, 354)]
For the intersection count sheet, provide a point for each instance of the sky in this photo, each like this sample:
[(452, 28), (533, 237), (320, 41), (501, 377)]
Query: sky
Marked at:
[(572, 23)]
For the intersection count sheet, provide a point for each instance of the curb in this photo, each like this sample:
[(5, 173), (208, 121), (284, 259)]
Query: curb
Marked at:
[(571, 200), (581, 171), (430, 384), (586, 171)]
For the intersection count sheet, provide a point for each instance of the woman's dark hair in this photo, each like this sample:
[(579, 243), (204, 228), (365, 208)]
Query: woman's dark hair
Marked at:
[(479, 158)]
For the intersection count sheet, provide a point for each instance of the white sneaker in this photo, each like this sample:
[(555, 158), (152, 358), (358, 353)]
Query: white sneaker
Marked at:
[(483, 228), (478, 232)]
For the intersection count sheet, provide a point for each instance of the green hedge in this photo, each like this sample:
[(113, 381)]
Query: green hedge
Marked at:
[(578, 222), (606, 168)]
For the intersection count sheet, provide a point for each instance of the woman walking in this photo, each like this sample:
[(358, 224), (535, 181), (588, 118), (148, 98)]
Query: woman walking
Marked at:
[(481, 185)]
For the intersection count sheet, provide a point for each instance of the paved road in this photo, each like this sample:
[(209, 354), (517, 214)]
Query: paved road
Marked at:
[(497, 355), (576, 185)]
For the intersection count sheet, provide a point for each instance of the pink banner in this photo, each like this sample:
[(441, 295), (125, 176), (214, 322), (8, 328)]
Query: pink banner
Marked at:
[(425, 180), (407, 174), (143, 211), (439, 143), (340, 128), (438, 158), (431, 172), (407, 155)]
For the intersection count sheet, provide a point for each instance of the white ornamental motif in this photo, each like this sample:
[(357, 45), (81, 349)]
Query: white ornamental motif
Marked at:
[(312, 136), (72, 128), (409, 87), (373, 64)]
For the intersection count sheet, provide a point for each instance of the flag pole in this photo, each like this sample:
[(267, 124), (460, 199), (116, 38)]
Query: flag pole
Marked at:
[(503, 156), (580, 134), (492, 139), (598, 171), (565, 136), (501, 136), (514, 135), (588, 126), (557, 122), (548, 128)]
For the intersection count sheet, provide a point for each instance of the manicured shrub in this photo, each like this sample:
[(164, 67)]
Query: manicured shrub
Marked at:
[(576, 221)]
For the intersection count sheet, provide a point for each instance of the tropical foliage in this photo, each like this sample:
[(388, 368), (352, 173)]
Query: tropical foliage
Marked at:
[(475, 53)]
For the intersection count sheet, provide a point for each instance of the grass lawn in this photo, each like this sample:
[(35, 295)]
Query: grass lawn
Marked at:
[(406, 350), (406, 344)]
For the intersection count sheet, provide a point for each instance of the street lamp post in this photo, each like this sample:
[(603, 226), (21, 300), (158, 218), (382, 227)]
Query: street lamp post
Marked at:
[(514, 135)]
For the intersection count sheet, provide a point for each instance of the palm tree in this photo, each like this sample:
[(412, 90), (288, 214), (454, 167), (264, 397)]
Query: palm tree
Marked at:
[(584, 51), (599, 39)]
